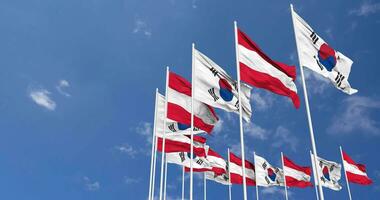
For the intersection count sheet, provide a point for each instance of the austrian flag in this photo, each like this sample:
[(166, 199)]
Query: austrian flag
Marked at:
[(295, 175), (179, 105), (356, 173), (259, 70), (236, 171)]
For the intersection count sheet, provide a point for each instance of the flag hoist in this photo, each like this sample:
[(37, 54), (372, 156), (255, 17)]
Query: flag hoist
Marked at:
[(163, 135), (154, 150), (314, 148), (240, 113)]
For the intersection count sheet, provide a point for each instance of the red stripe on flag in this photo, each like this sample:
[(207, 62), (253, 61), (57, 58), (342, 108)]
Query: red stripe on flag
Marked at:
[(358, 179), (262, 80), (237, 179), (245, 41), (176, 146), (292, 182), (238, 161), (291, 164), (179, 84), (179, 114)]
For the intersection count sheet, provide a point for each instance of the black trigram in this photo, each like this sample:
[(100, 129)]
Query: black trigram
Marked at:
[(172, 128), (339, 79), (237, 105), (182, 156), (264, 165), (214, 71), (314, 37), (199, 162), (212, 93), (267, 180)]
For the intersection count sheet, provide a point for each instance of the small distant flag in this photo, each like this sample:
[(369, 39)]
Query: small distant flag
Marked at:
[(216, 88), (236, 171), (329, 173), (356, 173), (266, 174), (200, 162), (295, 175), (181, 143), (259, 70), (179, 105), (315, 54)]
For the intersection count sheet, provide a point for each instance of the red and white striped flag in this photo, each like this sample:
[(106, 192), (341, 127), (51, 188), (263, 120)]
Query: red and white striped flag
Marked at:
[(295, 175), (216, 163), (236, 171), (356, 173), (259, 70), (181, 143), (179, 105)]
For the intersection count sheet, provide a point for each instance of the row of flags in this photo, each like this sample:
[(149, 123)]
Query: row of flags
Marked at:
[(187, 110), (262, 173)]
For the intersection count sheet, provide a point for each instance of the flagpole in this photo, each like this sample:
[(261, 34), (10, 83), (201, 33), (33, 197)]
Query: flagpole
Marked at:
[(345, 173), (166, 176), (314, 148), (204, 186), (163, 135), (229, 176), (151, 185), (183, 182), (315, 177), (192, 121), (257, 187), (154, 166), (240, 112), (286, 190)]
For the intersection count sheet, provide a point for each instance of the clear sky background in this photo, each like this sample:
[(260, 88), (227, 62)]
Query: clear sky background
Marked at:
[(77, 86)]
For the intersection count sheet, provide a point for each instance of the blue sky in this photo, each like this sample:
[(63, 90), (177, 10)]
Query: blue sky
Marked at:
[(78, 78)]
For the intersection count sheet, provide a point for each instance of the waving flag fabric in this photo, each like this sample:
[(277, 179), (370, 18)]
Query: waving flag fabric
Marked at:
[(315, 54), (200, 162), (295, 175), (329, 173), (236, 171), (266, 174), (216, 88), (259, 70), (179, 105), (222, 179), (181, 143), (356, 173)]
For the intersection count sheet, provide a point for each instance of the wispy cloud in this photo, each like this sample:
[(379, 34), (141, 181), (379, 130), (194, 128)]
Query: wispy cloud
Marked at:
[(316, 84), (62, 85), (283, 137), (41, 97), (262, 100), (256, 131), (366, 8), (275, 191), (130, 180), (141, 27), (91, 185), (127, 149), (194, 4), (355, 115), (218, 127), (145, 129)]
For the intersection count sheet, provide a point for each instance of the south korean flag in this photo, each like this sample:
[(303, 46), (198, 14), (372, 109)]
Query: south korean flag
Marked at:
[(266, 174), (329, 173), (317, 55), (200, 163)]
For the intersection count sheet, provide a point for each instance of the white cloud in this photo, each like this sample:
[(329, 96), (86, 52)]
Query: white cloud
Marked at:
[(316, 84), (91, 185), (329, 33), (218, 127), (366, 8), (194, 4), (127, 149), (262, 100), (130, 180), (355, 115), (41, 97), (283, 137), (145, 129), (255, 131), (62, 84), (142, 28), (275, 191)]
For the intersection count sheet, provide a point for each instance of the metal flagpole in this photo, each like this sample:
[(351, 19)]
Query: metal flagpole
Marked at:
[(240, 112), (204, 186), (286, 190), (229, 176), (192, 121), (166, 176), (345, 173), (315, 176), (314, 148), (163, 134), (257, 187), (183, 182), (154, 166), (151, 185)]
